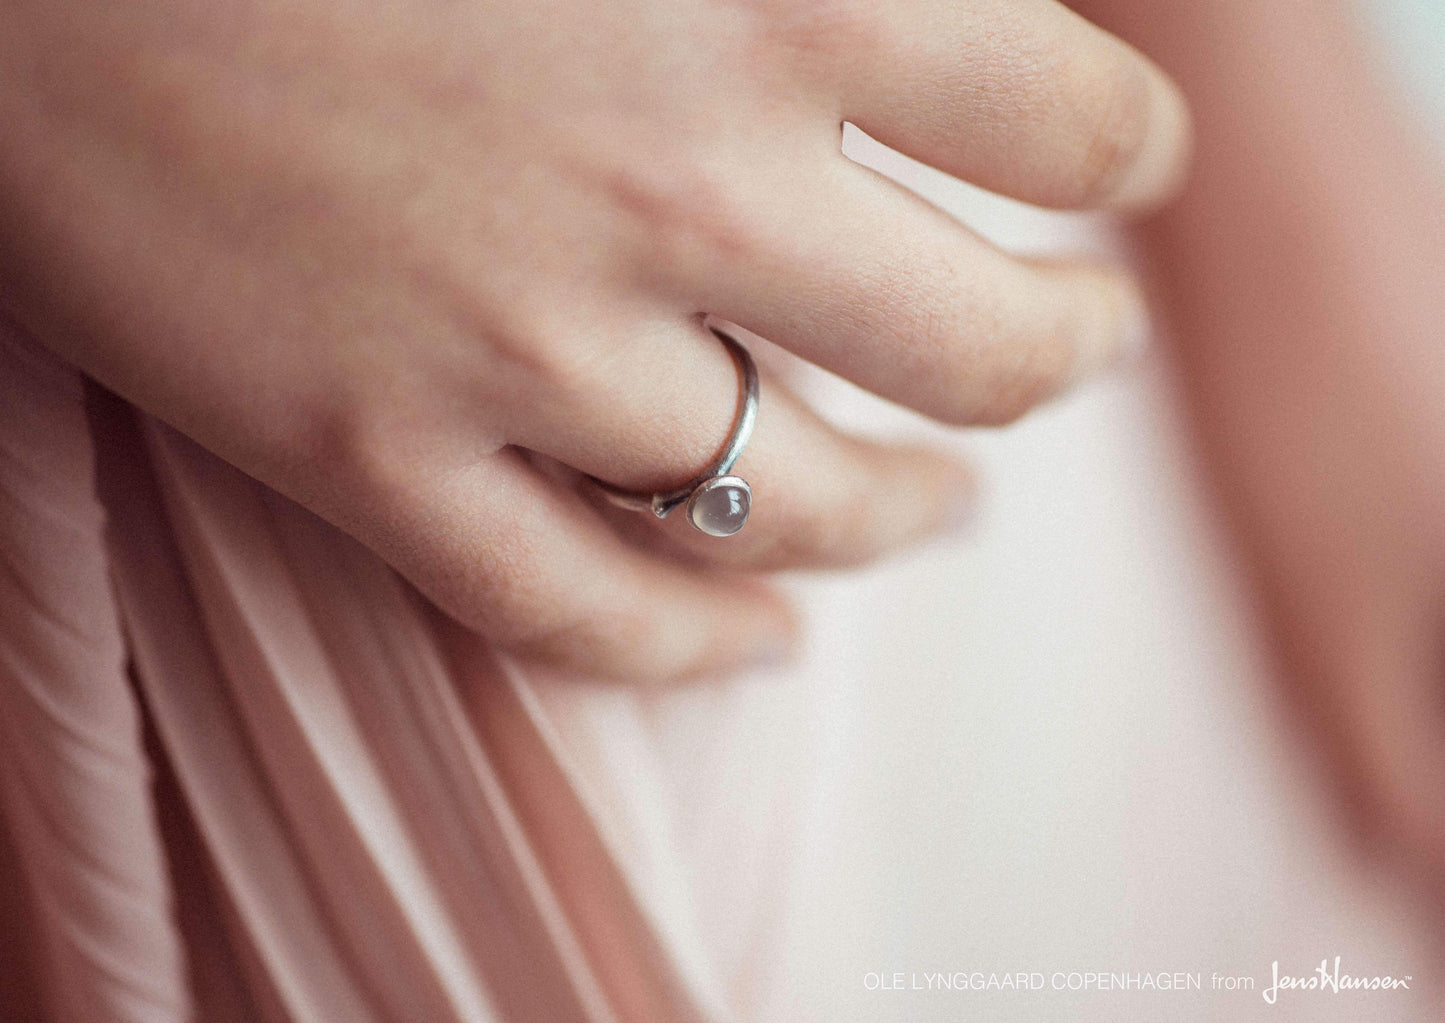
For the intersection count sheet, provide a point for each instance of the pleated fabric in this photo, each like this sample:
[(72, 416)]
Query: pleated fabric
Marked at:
[(74, 777), (251, 774)]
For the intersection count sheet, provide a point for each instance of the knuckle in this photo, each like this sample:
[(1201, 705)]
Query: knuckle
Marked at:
[(554, 362), (988, 383), (689, 215), (348, 445), (1035, 371), (370, 437), (926, 325), (826, 34), (1115, 113), (512, 331), (967, 360), (550, 350)]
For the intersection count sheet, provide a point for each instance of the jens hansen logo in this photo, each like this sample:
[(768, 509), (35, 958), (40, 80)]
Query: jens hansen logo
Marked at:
[(1325, 978)]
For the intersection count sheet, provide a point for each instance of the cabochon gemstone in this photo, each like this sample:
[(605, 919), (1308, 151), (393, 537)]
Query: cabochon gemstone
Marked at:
[(720, 506)]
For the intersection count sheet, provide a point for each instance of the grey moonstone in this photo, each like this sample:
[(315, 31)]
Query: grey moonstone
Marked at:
[(720, 507)]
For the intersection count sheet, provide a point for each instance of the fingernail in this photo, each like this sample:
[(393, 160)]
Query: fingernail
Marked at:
[(1158, 171)]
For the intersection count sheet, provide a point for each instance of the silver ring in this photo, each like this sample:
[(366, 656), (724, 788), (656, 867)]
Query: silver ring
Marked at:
[(717, 501)]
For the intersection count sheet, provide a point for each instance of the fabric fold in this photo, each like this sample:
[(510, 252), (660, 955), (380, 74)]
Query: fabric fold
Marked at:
[(387, 844), (75, 779)]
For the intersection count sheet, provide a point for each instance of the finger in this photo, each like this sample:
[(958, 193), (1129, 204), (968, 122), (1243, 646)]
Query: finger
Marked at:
[(825, 500), (507, 553), (655, 411), (854, 273), (1023, 97)]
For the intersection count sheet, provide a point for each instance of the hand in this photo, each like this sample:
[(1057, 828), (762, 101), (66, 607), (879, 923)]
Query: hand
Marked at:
[(373, 253)]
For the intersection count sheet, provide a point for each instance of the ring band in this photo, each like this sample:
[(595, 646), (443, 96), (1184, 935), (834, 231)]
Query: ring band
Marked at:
[(717, 501)]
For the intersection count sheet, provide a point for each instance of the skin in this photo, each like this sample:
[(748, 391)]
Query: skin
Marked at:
[(1302, 275), (416, 266)]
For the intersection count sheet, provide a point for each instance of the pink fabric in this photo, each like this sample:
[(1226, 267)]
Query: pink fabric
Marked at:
[(363, 810), (74, 778)]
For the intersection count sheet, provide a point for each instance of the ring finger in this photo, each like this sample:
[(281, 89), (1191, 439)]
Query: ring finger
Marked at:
[(656, 410)]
